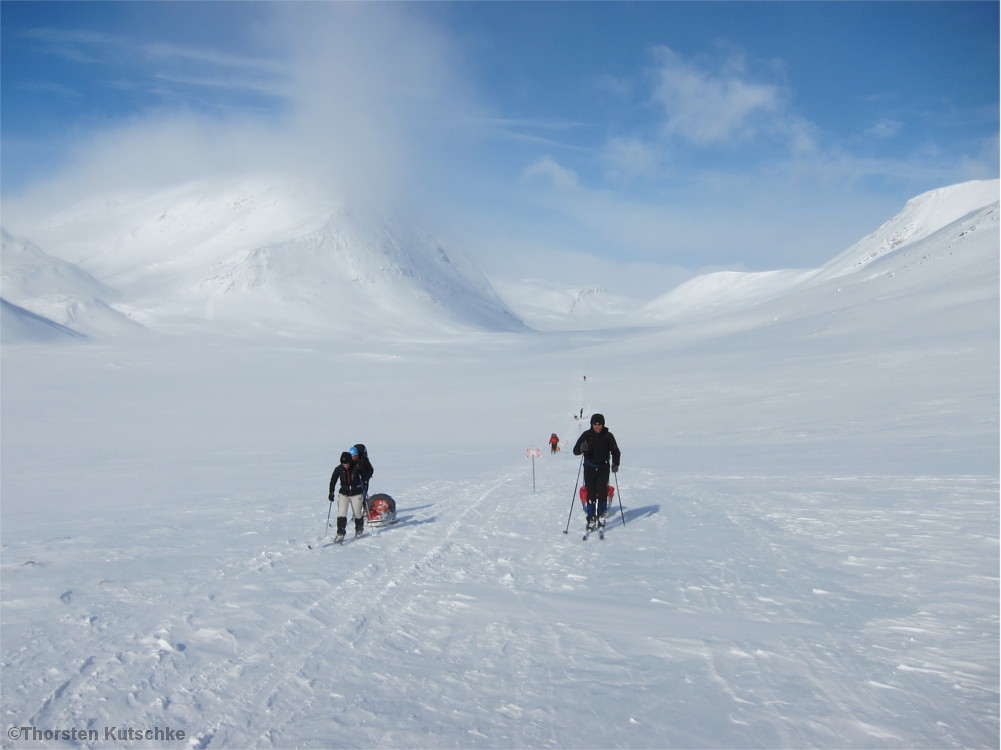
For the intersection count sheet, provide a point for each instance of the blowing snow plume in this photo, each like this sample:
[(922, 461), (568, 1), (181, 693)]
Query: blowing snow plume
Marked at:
[(362, 101)]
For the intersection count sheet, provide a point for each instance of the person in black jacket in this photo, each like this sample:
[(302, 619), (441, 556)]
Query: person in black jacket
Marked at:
[(360, 460), (352, 491), (596, 446)]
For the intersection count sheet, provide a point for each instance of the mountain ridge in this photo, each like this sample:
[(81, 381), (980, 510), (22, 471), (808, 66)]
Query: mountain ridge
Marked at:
[(262, 254), (272, 254), (921, 218)]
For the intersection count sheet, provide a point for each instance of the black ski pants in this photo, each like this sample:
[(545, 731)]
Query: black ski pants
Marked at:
[(596, 482)]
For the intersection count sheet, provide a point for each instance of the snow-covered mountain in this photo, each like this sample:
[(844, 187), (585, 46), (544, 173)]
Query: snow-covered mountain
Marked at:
[(262, 254), (54, 291), (247, 253), (942, 231), (923, 216), (553, 306)]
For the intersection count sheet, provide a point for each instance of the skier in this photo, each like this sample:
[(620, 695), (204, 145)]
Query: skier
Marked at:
[(360, 461), (352, 491), (554, 444), (595, 446)]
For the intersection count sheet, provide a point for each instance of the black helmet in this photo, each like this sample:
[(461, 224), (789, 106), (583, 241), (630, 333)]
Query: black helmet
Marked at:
[(345, 458), (598, 419)]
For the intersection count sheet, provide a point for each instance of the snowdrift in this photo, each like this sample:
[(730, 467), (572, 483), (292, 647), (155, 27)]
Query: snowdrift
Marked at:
[(20, 325)]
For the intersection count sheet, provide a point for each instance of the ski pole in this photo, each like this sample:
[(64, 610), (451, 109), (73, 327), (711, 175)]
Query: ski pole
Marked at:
[(330, 507), (619, 493), (574, 498)]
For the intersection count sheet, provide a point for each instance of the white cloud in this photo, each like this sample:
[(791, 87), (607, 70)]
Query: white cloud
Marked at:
[(885, 128), (708, 108), (365, 98), (549, 170), (631, 158)]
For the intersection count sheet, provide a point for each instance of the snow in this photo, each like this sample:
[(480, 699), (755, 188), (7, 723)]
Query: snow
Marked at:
[(549, 306), (21, 324), (809, 491), (260, 252)]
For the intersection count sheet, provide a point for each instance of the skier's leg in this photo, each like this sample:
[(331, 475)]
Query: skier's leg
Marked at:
[(589, 486), (602, 490), (358, 507), (342, 514)]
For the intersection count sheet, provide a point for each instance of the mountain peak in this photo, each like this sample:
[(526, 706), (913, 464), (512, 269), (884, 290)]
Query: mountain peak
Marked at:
[(262, 252), (920, 217)]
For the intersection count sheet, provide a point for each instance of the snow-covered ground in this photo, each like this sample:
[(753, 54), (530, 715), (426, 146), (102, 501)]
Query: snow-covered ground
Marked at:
[(809, 553)]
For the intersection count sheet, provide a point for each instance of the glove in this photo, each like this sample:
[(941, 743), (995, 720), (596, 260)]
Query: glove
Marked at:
[(615, 468), (585, 447), (330, 497)]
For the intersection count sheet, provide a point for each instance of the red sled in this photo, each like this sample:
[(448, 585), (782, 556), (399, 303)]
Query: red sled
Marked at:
[(583, 494), (381, 510)]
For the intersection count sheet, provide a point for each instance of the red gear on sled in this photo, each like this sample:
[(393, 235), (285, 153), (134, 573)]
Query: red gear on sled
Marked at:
[(381, 510), (583, 494)]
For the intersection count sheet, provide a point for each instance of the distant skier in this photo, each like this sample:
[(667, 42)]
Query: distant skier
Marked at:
[(596, 446), (352, 492), (554, 444)]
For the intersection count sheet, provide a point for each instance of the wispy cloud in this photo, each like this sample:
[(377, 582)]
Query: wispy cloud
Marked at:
[(150, 58), (885, 128), (360, 97), (377, 96), (629, 158), (550, 171), (709, 107)]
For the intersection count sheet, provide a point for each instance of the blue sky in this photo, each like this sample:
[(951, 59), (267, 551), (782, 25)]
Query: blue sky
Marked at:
[(630, 144)]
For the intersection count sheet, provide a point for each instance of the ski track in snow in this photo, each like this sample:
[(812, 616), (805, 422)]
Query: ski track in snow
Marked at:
[(254, 684), (369, 593), (791, 618)]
